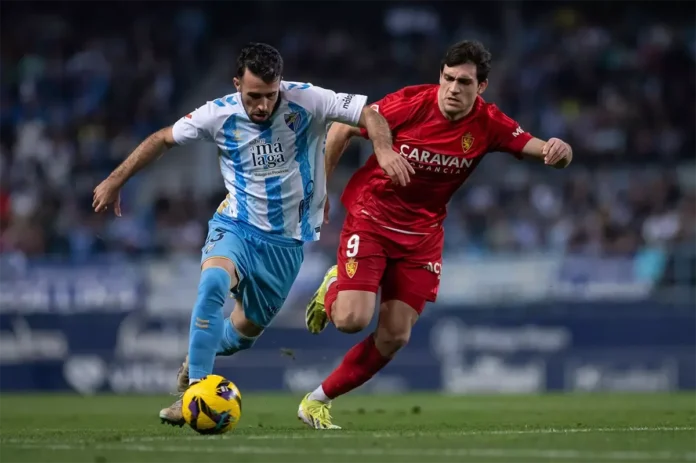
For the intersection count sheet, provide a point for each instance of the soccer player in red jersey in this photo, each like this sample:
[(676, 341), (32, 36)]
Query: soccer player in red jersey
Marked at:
[(393, 236)]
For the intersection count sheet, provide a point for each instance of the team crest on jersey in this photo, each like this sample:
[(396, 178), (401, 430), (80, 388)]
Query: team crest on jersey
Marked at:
[(467, 141), (351, 267), (293, 121)]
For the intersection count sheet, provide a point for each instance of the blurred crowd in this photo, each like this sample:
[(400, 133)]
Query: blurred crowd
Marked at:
[(615, 80), (77, 96)]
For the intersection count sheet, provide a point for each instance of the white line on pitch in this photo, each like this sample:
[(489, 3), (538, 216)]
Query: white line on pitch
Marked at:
[(443, 452), (343, 434)]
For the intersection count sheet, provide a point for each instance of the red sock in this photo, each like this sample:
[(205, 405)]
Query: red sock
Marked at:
[(360, 364), (330, 298)]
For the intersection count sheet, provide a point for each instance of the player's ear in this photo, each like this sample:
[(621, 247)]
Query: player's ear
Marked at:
[(482, 86), (237, 84)]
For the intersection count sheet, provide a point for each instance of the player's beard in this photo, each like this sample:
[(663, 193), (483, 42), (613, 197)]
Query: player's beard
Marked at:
[(259, 117), (262, 116)]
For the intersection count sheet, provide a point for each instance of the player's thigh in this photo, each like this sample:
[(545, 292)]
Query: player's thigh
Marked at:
[(225, 247), (361, 260), (265, 289), (415, 279)]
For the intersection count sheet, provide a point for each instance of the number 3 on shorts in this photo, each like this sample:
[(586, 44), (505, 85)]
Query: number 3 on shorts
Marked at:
[(352, 246)]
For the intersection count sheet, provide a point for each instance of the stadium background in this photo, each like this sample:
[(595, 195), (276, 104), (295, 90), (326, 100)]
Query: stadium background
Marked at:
[(575, 280)]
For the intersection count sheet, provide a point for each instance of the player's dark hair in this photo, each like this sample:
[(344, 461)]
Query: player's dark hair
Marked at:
[(469, 51), (262, 60)]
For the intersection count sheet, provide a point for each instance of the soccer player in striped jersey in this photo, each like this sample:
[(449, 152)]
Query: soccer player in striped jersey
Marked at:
[(271, 135)]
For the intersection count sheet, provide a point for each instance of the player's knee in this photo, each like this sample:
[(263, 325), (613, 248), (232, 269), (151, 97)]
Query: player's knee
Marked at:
[(222, 263), (351, 321), (242, 324), (213, 287), (353, 311)]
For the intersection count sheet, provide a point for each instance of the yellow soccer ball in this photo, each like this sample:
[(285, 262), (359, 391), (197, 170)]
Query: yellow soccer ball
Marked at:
[(213, 405)]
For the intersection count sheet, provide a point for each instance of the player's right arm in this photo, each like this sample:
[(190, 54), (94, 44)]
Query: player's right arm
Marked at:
[(329, 106), (199, 125), (392, 107)]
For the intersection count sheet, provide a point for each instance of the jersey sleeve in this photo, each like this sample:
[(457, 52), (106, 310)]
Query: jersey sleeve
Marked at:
[(198, 125), (506, 133), (343, 107), (326, 104), (393, 108)]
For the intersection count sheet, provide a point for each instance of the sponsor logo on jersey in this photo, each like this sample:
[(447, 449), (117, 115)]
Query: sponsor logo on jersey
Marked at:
[(351, 267), (346, 100), (267, 155), (293, 121), (435, 162), (467, 141)]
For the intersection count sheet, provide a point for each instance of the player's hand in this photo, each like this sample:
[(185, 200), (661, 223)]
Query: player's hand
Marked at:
[(327, 208), (106, 193), (557, 153), (395, 166)]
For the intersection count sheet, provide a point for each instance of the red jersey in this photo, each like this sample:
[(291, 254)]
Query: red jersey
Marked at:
[(443, 153)]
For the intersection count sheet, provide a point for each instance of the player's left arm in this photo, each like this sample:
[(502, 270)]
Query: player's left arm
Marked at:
[(508, 136), (554, 152), (337, 140)]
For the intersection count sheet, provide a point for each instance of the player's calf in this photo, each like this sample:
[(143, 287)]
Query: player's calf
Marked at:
[(368, 357), (396, 319), (353, 310)]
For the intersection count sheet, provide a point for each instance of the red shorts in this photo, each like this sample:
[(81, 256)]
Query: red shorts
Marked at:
[(406, 266)]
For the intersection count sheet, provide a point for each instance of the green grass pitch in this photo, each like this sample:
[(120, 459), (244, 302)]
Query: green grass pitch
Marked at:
[(653, 428)]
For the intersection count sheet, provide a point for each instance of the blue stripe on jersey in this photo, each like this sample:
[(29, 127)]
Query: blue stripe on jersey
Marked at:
[(302, 158), (274, 198), (275, 204), (232, 149)]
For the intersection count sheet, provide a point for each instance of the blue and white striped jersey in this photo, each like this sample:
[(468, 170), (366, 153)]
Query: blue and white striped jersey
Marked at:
[(274, 172)]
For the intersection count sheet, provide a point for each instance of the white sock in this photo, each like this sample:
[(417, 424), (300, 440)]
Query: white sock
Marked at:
[(319, 395)]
